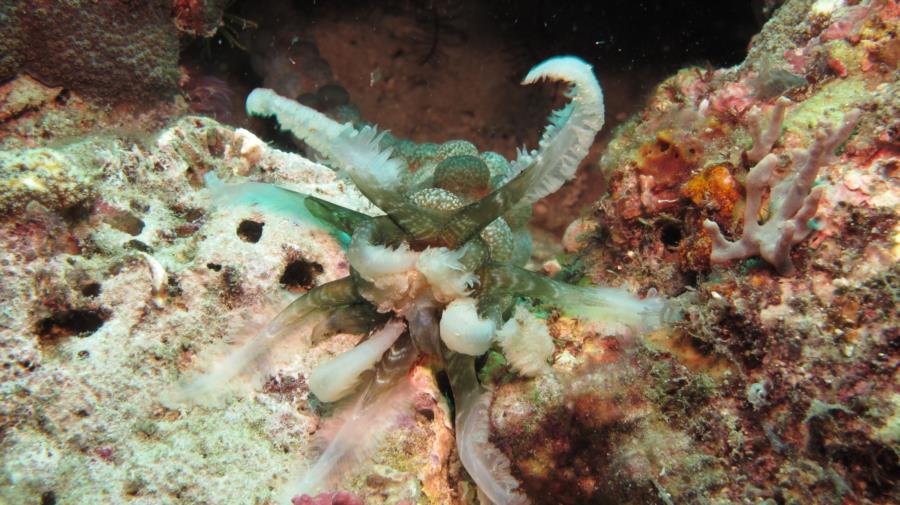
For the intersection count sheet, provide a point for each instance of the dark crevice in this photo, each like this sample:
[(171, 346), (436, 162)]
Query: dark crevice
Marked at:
[(91, 290), (74, 322), (250, 231), (300, 274), (671, 235)]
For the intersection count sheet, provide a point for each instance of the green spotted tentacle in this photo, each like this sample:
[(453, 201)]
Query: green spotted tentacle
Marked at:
[(497, 235), (475, 253), (455, 148), (437, 199), (522, 247), (463, 175), (499, 238), (471, 219), (423, 225), (341, 218), (498, 167)]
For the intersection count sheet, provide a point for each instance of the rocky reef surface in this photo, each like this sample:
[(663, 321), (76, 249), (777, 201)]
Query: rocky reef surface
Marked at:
[(122, 276), (773, 388), (119, 272)]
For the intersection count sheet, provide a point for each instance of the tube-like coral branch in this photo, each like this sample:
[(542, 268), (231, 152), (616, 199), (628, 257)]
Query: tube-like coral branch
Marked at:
[(794, 202), (763, 140)]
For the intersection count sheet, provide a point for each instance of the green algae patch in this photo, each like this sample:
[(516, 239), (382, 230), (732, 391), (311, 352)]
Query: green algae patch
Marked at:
[(829, 105)]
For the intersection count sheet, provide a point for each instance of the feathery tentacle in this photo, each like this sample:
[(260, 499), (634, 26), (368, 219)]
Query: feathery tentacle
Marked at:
[(572, 129)]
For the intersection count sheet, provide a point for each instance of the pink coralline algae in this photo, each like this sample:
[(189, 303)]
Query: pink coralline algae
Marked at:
[(339, 498)]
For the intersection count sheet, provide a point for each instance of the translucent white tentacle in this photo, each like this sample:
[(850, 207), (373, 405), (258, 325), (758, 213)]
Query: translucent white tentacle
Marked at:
[(572, 129)]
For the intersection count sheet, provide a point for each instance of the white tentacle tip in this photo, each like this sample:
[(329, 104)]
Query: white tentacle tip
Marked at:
[(566, 68)]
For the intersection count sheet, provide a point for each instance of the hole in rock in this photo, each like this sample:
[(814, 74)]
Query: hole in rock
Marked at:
[(671, 234), (250, 231), (91, 290), (80, 322), (300, 274)]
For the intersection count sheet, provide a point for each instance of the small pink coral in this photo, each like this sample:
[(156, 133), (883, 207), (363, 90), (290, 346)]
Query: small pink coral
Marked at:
[(733, 99), (797, 59), (339, 498)]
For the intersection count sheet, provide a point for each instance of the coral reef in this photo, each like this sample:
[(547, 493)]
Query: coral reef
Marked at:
[(33, 115), (142, 249), (99, 50), (121, 295), (43, 177)]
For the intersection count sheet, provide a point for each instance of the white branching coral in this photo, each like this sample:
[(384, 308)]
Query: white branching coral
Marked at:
[(793, 203)]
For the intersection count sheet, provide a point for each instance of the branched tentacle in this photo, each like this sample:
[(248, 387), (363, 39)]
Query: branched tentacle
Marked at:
[(342, 218), (372, 413), (310, 125), (565, 143), (313, 307), (373, 170), (611, 305)]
